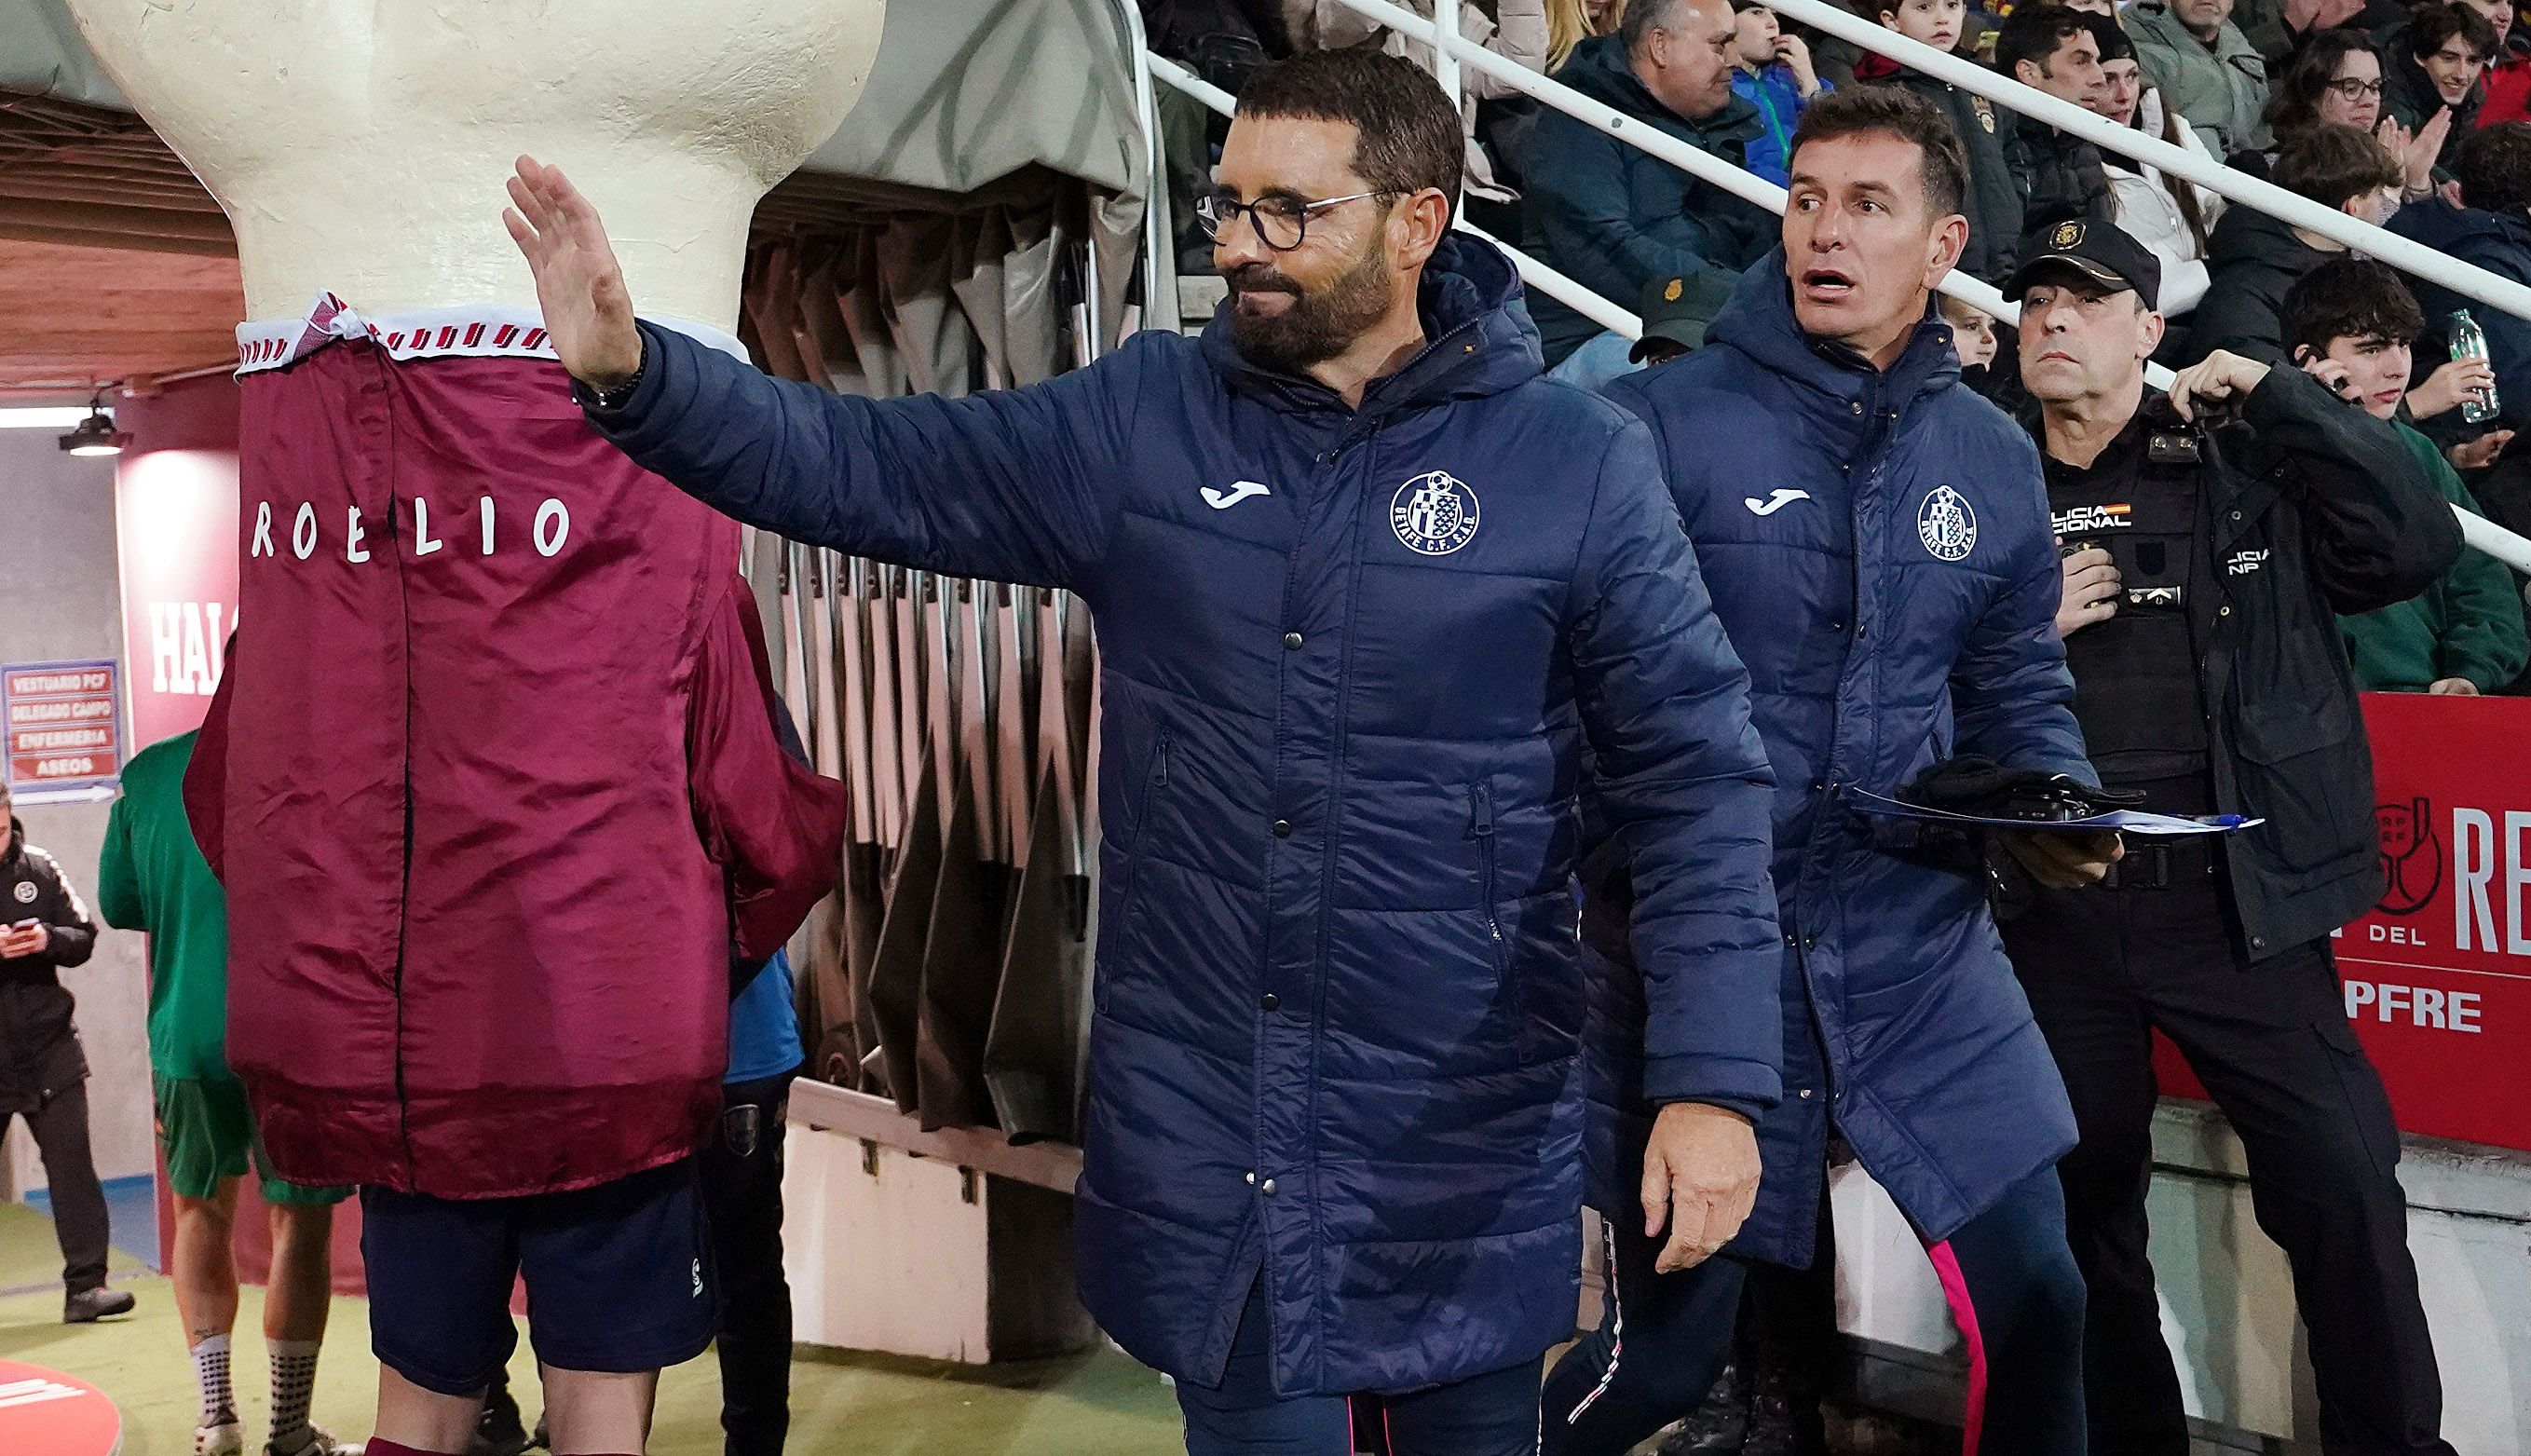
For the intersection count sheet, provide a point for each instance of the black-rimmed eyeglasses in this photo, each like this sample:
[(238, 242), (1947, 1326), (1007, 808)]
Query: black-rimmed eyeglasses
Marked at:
[(1282, 223)]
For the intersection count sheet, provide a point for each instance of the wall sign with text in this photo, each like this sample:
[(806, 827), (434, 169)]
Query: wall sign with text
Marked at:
[(2438, 976), (64, 726)]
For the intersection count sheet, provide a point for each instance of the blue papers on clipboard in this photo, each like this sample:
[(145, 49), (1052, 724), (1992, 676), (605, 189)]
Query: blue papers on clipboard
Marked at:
[(2123, 820)]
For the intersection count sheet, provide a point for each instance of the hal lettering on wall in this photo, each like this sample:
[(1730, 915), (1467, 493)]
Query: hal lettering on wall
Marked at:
[(187, 645), (65, 727)]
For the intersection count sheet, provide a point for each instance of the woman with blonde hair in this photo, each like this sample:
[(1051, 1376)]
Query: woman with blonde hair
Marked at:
[(1569, 23)]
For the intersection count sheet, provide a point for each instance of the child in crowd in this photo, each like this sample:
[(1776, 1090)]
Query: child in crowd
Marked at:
[(1995, 200)]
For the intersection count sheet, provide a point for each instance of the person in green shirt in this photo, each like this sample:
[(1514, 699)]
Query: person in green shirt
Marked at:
[(2349, 322), (152, 876)]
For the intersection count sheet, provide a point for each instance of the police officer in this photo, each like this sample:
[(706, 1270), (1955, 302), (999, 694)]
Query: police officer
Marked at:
[(2210, 537), (45, 930)]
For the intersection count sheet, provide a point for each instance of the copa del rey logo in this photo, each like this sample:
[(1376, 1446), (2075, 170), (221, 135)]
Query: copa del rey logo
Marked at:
[(548, 532), (1434, 514)]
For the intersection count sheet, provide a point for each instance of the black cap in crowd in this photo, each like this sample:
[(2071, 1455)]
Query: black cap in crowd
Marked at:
[(2101, 251), (1678, 309)]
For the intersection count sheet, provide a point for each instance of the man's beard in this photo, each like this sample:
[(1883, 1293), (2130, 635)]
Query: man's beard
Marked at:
[(1319, 324)]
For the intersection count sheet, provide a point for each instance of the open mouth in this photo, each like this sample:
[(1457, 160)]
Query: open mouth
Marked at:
[(1828, 284)]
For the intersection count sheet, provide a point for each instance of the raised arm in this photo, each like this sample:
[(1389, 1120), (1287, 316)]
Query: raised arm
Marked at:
[(1017, 485)]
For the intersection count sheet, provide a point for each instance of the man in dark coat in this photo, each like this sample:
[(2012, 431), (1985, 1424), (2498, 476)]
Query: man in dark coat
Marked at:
[(2222, 530), (2053, 50), (44, 930), (2254, 259), (1365, 588), (1615, 218), (1877, 545)]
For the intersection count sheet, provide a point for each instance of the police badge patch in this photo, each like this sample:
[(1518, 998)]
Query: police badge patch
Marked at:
[(1435, 514), (1946, 525)]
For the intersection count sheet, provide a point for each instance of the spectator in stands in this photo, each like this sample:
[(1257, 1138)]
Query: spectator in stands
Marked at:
[(1613, 218), (2255, 258), (2173, 218), (1772, 70), (1517, 30), (2492, 230), (2434, 60), (2349, 322), (1995, 195), (1676, 311), (2336, 80), (2061, 175), (1972, 340), (2205, 69), (2508, 75)]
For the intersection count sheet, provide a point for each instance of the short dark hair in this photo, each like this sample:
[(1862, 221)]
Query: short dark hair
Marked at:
[(1642, 18), (2295, 101), (2495, 167), (1893, 111), (2036, 32), (2331, 164), (2350, 298), (1406, 132), (2431, 24), (2112, 37)]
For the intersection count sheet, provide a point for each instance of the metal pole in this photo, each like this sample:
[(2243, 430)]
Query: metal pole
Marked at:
[(1445, 59), (2400, 253), (2494, 541), (1535, 274)]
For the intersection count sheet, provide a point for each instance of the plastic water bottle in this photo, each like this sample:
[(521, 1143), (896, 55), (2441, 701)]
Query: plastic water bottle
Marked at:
[(2468, 341)]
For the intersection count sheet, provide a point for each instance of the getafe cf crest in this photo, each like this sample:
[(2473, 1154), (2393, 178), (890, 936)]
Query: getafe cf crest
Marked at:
[(1434, 514), (1945, 524)]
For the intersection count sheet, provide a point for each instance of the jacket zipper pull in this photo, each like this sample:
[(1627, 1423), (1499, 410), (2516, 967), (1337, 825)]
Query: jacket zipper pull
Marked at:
[(1484, 797), (1161, 765)]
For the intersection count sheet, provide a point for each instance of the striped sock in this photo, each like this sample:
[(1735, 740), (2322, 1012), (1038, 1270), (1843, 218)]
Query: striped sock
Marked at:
[(211, 1372), (294, 1379)]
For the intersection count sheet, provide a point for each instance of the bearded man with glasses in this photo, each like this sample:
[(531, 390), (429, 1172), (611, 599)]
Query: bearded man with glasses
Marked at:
[(1377, 610)]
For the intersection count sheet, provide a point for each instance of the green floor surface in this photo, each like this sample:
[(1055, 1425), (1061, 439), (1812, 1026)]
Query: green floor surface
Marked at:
[(1101, 1404)]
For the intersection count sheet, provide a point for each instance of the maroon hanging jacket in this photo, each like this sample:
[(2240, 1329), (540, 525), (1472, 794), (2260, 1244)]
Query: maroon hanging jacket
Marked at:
[(491, 779)]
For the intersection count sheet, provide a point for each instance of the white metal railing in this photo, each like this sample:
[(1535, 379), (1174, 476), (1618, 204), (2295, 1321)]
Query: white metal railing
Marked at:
[(1533, 272), (2501, 293)]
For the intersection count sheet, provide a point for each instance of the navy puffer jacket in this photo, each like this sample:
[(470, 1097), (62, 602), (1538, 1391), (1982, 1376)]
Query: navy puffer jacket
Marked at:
[(1351, 659), (1877, 545)]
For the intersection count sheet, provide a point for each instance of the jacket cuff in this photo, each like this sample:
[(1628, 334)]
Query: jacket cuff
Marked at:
[(1745, 1086), (2278, 399), (647, 384)]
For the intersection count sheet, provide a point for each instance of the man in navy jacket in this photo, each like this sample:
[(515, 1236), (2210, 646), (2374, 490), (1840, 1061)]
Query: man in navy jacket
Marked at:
[(1878, 545), (1366, 587)]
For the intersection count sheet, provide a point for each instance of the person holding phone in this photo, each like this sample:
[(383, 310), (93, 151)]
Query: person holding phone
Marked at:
[(44, 930)]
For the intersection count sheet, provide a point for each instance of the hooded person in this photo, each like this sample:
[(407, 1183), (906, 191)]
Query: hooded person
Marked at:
[(1377, 610)]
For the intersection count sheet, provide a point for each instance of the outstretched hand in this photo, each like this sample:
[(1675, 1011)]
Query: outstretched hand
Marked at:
[(589, 314)]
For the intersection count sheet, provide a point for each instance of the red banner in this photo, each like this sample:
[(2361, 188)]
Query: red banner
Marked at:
[(64, 726), (2437, 976)]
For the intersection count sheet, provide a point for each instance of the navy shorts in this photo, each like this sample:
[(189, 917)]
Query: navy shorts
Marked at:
[(619, 1279)]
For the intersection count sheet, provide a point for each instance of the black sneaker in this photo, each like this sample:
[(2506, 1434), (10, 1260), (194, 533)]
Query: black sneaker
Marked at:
[(498, 1432), (89, 1305)]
